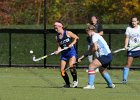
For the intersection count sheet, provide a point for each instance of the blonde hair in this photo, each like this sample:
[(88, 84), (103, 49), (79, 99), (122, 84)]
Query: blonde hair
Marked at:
[(90, 27)]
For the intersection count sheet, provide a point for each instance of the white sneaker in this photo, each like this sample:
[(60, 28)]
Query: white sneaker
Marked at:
[(75, 84), (112, 86), (89, 87)]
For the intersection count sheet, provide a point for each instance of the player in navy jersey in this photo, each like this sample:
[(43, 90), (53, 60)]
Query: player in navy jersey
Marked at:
[(132, 38), (64, 39)]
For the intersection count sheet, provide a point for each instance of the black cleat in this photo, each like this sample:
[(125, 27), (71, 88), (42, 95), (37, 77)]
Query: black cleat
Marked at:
[(124, 82), (66, 86)]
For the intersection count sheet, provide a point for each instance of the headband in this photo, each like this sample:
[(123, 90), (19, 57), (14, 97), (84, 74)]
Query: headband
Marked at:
[(58, 24)]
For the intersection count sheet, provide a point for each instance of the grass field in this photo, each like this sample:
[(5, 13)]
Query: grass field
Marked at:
[(46, 84)]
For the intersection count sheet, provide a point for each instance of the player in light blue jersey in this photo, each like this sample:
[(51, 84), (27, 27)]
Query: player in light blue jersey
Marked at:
[(102, 60), (132, 38)]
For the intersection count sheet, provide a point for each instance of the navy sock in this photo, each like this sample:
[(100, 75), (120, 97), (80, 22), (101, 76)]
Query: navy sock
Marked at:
[(73, 73), (66, 78)]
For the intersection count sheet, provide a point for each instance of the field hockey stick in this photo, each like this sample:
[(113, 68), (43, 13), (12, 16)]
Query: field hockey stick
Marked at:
[(74, 64), (132, 46), (70, 67), (43, 57), (118, 50)]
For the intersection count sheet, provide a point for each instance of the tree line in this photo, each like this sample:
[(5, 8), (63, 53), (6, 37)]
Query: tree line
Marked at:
[(68, 11)]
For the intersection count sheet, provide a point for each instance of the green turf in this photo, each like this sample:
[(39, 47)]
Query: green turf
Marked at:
[(45, 84)]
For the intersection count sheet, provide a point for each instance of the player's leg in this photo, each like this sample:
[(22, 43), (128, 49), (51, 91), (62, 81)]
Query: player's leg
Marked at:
[(91, 73), (126, 69), (107, 77), (105, 60), (64, 74), (90, 59), (73, 71)]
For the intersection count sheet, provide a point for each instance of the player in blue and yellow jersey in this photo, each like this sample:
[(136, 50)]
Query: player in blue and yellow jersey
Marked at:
[(103, 58), (64, 39)]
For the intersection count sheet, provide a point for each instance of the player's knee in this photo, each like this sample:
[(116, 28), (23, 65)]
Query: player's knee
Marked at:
[(62, 72), (91, 71), (102, 70), (73, 70)]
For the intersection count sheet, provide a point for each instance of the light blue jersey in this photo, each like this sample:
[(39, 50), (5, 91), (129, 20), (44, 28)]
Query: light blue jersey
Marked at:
[(103, 48)]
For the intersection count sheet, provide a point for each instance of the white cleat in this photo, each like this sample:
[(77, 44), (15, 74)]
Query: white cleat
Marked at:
[(89, 87), (112, 86), (75, 84)]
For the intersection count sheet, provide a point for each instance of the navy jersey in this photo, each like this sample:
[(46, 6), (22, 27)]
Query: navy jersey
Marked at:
[(65, 41)]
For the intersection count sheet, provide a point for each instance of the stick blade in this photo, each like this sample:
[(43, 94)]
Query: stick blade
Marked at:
[(35, 60)]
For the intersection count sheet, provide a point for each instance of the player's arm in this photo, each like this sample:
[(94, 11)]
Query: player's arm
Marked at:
[(88, 52), (95, 47), (126, 42), (58, 47), (73, 36)]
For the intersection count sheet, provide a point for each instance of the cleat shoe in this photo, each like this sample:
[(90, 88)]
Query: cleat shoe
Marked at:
[(66, 86), (89, 87), (75, 84), (124, 82), (111, 86)]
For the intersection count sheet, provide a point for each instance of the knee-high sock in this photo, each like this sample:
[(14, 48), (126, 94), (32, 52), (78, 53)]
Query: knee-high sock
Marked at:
[(73, 73), (107, 78), (125, 73), (91, 76), (66, 78)]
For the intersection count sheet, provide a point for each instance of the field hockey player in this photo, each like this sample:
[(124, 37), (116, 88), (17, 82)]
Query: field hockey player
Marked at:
[(104, 57), (132, 38), (64, 39)]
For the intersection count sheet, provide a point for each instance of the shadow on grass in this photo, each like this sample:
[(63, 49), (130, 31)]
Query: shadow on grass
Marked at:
[(61, 87), (113, 83)]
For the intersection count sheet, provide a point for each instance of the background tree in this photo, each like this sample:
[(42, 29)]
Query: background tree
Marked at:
[(69, 11)]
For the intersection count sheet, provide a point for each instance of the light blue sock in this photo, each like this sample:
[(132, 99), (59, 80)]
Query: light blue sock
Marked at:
[(91, 77), (107, 78), (125, 73)]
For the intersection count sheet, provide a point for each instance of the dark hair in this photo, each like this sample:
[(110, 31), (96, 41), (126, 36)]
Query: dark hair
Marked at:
[(130, 23), (95, 17), (59, 21)]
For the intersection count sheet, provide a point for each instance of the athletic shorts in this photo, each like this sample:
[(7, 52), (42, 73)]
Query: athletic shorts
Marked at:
[(133, 54), (105, 60), (68, 54)]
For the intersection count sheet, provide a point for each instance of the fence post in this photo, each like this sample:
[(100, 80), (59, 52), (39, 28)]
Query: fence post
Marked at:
[(10, 49), (45, 9)]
